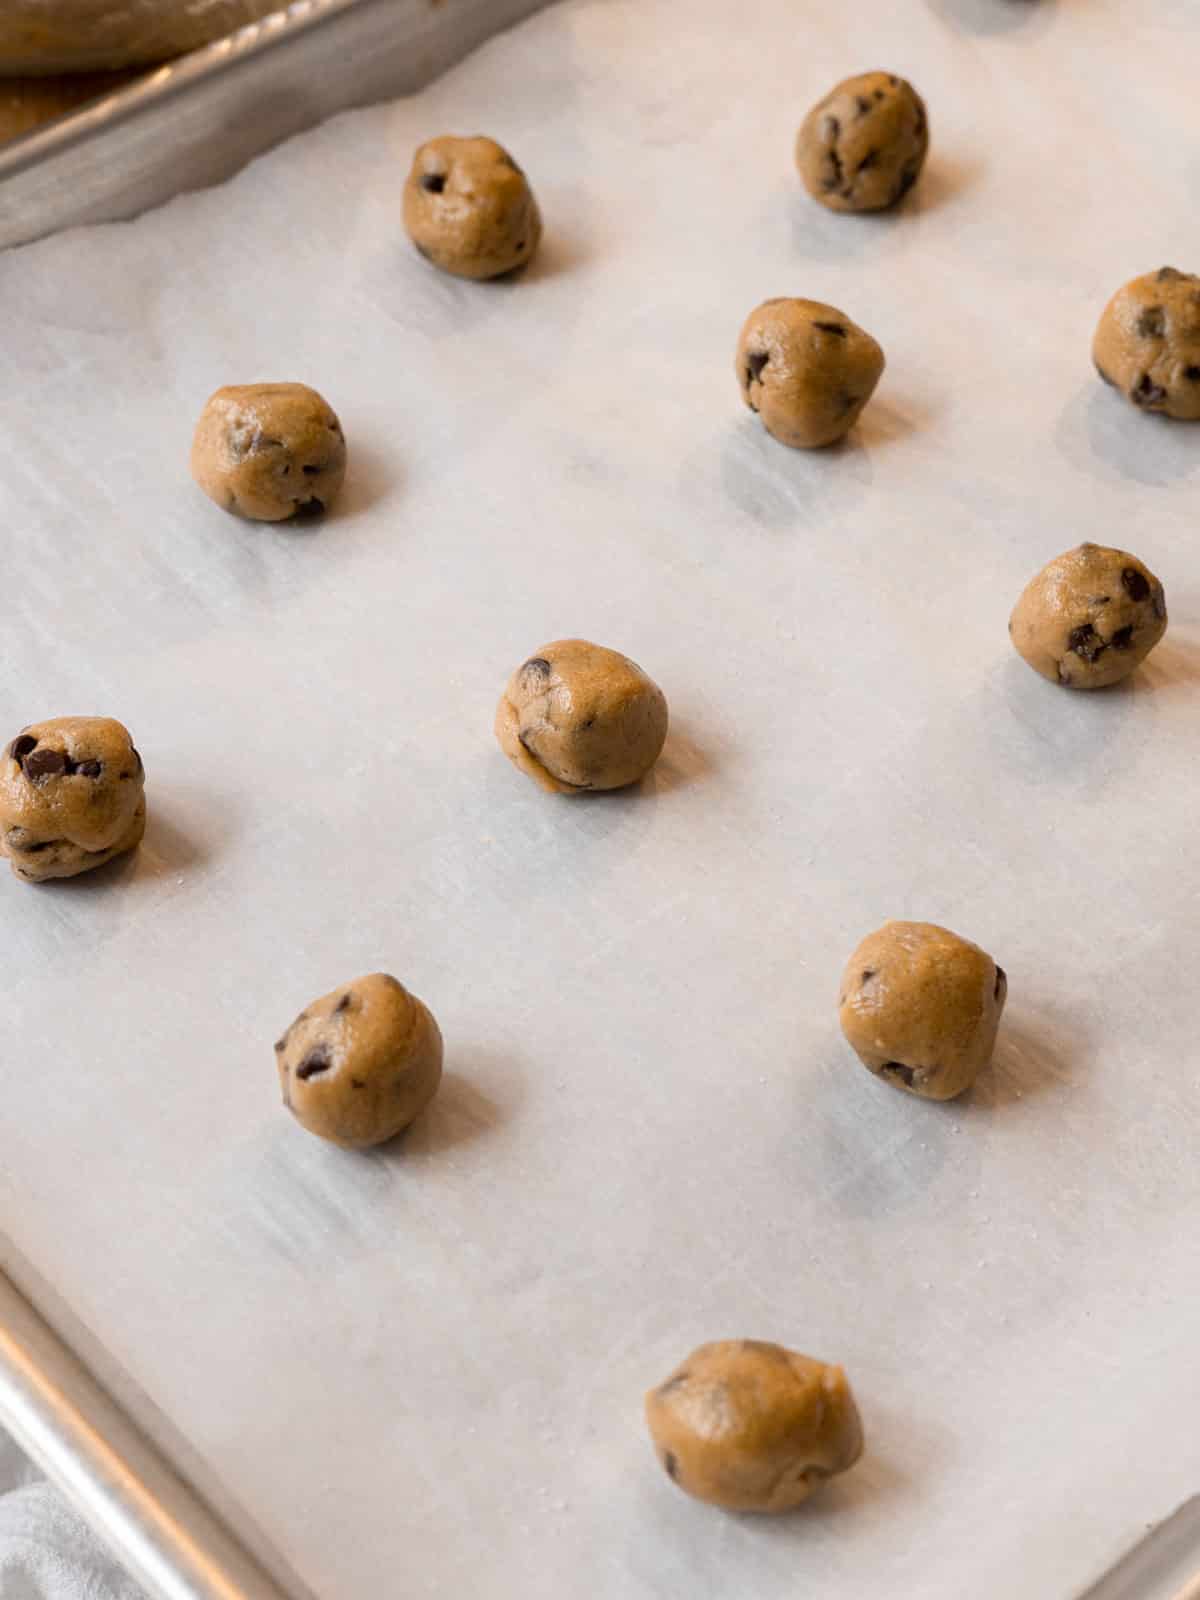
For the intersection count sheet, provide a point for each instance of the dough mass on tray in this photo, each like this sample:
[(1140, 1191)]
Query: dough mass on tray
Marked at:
[(576, 717), (920, 1007), (807, 370), (71, 797), (469, 209), (862, 147), (359, 1064), (1089, 617), (1147, 343), (751, 1426), (269, 451)]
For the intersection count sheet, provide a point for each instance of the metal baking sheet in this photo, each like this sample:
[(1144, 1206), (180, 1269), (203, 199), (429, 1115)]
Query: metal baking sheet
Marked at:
[(194, 121), (420, 1372)]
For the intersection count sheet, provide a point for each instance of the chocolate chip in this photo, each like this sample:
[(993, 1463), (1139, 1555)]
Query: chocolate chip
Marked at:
[(520, 246), (281, 1044), (836, 328), (1146, 392), (1192, 374), (1134, 584), (314, 1064), (89, 769), (899, 1070), (1168, 275), (310, 508), (671, 1465), (861, 104), (846, 401), (893, 80), (1123, 638), (45, 764), (755, 362), (1151, 323), (357, 1083), (21, 746), (868, 974), (919, 125), (309, 469), (1160, 604), (832, 179), (343, 1004), (908, 176), (832, 129), (1001, 983), (869, 160), (42, 844), (1086, 642), (434, 182), (537, 667)]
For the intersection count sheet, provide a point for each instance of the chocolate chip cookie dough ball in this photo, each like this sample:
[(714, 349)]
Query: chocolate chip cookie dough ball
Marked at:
[(269, 451), (576, 716), (920, 1007), (1147, 343), (807, 370), (1089, 617), (862, 147), (752, 1426), (469, 209), (359, 1064), (71, 797)]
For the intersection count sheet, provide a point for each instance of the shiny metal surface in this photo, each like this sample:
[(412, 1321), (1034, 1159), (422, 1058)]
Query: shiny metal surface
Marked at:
[(198, 119), (1164, 1566), (166, 1536)]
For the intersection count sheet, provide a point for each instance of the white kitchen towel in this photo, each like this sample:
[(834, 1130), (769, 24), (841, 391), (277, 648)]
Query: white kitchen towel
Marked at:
[(46, 1551)]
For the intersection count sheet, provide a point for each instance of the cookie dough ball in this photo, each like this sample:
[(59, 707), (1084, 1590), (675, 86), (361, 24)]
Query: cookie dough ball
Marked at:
[(807, 370), (469, 209), (71, 797), (360, 1063), (1089, 617), (752, 1426), (576, 716), (862, 147), (269, 451), (920, 1007), (1147, 343)]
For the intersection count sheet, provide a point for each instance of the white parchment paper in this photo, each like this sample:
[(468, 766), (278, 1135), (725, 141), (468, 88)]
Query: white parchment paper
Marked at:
[(421, 1371)]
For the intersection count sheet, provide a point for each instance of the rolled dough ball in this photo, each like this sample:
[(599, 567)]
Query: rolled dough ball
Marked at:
[(1147, 343), (862, 147), (752, 1426), (71, 797), (1089, 617), (360, 1063), (576, 716), (469, 209), (269, 451), (807, 370), (920, 1007)]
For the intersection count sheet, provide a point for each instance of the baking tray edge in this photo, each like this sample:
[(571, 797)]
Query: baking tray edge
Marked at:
[(195, 121)]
